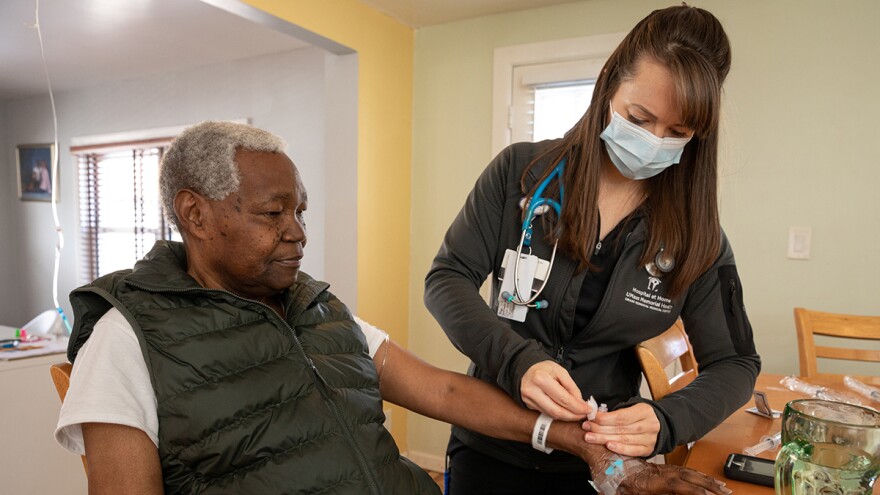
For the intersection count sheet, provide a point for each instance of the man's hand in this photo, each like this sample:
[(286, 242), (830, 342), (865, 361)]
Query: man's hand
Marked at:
[(547, 387), (638, 476), (646, 478), (630, 431)]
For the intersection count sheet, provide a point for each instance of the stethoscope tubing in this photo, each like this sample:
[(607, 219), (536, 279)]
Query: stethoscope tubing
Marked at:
[(663, 265), (521, 300), (525, 239)]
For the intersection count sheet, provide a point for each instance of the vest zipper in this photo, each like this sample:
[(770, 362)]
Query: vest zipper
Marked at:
[(324, 389), (320, 383), (559, 354)]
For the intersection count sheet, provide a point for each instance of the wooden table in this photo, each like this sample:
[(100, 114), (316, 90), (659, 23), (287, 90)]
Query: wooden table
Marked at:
[(743, 429)]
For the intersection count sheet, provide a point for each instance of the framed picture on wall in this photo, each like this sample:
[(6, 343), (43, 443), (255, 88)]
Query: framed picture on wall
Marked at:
[(34, 166)]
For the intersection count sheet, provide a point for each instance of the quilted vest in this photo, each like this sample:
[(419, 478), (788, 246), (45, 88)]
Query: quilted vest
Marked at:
[(250, 402)]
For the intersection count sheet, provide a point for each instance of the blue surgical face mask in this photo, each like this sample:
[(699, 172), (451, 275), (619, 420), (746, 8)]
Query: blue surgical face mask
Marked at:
[(636, 152)]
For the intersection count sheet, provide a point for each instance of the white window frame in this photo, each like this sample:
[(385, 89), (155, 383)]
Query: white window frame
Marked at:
[(574, 54), (115, 142)]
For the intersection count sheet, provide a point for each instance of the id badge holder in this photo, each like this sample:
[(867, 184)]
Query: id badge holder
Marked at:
[(528, 265)]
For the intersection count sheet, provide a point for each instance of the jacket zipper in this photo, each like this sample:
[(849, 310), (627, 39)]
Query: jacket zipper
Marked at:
[(320, 383), (560, 354), (605, 297), (734, 310)]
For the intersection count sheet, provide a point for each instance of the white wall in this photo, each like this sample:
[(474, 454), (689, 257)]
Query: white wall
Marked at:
[(798, 150), (286, 93), (340, 157), (9, 268)]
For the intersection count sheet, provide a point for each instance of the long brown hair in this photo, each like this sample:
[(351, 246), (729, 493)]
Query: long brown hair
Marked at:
[(682, 204)]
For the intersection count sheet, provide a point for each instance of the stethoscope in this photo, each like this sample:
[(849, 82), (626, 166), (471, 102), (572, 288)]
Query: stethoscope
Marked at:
[(536, 206), (539, 205), (661, 264)]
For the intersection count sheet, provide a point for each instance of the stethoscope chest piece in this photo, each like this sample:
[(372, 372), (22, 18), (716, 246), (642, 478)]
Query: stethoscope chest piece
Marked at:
[(663, 263)]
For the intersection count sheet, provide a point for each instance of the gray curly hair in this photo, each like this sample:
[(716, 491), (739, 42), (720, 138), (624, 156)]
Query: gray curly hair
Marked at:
[(202, 158)]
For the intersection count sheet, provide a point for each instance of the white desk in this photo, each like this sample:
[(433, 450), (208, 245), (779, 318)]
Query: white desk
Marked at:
[(33, 463)]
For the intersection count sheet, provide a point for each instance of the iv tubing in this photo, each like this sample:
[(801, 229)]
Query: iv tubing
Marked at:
[(59, 232)]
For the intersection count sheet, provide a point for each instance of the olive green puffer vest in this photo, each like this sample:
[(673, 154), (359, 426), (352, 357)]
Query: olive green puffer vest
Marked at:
[(249, 402)]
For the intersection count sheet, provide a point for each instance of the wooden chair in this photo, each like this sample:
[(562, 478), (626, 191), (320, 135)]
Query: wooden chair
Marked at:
[(810, 323), (657, 354), (61, 376)]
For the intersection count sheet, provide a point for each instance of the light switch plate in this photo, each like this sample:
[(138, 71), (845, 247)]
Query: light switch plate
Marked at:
[(799, 240)]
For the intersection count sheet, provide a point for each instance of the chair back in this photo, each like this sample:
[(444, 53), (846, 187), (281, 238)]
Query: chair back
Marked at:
[(810, 323), (61, 376), (656, 355)]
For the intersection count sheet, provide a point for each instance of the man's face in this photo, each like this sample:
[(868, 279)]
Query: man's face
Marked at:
[(258, 234)]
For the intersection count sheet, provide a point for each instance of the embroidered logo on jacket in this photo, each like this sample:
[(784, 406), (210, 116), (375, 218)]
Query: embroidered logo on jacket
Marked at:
[(649, 298)]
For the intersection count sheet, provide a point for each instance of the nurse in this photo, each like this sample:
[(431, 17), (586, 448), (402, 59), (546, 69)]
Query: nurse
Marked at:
[(628, 242)]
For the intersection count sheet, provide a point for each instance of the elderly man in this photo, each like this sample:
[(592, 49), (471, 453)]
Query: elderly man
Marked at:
[(216, 366)]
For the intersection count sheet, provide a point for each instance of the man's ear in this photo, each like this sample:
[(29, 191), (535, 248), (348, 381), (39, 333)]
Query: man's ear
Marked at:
[(192, 211)]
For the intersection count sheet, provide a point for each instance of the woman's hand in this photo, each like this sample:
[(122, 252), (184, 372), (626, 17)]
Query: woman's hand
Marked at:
[(547, 387), (630, 431)]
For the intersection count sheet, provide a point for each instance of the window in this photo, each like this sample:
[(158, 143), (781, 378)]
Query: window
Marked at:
[(120, 211), (542, 89), (558, 106), (548, 99)]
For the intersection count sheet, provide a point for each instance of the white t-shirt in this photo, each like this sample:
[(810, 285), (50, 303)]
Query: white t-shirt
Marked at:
[(110, 382)]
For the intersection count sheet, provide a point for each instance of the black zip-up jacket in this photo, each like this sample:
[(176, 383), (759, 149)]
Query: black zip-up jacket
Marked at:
[(600, 358)]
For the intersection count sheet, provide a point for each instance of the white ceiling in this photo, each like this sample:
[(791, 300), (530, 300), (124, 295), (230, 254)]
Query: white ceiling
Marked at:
[(419, 13), (94, 42)]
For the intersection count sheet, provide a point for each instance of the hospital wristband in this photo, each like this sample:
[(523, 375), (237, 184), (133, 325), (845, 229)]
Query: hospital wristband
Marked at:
[(540, 433)]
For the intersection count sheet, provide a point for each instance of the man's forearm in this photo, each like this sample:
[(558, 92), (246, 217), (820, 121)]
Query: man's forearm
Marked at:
[(473, 404), (569, 436)]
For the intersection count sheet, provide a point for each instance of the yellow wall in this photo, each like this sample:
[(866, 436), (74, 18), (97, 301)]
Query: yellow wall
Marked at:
[(385, 65), (798, 150)]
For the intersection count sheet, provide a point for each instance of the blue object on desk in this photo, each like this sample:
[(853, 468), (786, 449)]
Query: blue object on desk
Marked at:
[(9, 344)]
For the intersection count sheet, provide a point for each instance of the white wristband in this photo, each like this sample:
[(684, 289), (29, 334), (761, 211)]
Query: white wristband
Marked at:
[(541, 432)]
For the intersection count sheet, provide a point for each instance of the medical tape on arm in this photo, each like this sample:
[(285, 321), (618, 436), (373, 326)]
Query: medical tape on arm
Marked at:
[(614, 474)]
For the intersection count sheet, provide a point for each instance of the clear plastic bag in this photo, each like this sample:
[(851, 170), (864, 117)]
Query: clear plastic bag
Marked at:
[(857, 386), (795, 384)]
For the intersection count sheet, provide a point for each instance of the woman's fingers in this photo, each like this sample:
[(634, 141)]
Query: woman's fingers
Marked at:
[(629, 445), (540, 400), (639, 418), (567, 383), (629, 431), (547, 387), (628, 416)]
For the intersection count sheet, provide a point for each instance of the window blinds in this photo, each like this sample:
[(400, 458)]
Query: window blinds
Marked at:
[(120, 210)]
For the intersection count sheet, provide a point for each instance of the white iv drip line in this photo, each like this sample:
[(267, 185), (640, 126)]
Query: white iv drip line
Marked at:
[(58, 230)]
